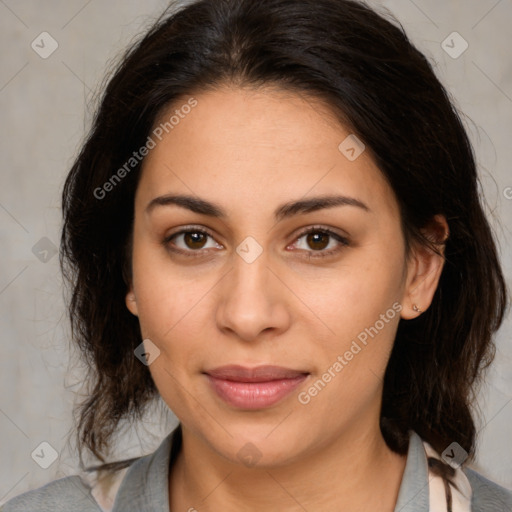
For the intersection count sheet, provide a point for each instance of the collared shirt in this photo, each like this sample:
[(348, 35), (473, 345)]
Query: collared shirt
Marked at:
[(144, 487)]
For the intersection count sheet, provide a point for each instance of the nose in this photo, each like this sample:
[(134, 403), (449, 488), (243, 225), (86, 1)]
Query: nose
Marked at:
[(253, 302)]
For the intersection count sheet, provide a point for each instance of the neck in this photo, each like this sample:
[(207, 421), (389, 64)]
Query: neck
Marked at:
[(356, 472)]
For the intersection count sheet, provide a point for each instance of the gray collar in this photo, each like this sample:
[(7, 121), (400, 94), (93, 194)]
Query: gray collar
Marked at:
[(413, 495), (145, 487)]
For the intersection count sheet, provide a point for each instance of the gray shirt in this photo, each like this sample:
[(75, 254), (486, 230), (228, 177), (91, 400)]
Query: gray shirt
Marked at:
[(145, 487)]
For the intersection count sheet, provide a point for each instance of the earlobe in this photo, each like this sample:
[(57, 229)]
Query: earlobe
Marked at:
[(425, 268), (131, 302)]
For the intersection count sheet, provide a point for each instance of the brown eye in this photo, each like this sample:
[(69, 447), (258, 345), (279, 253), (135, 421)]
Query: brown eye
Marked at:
[(190, 242), (194, 239), (318, 240)]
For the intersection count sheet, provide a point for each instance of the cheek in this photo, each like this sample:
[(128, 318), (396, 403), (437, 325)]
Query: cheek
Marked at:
[(171, 310), (364, 314), (172, 316), (362, 310), (354, 296), (168, 302)]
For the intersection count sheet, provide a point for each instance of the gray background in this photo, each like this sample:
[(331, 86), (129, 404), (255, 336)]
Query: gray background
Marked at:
[(46, 106)]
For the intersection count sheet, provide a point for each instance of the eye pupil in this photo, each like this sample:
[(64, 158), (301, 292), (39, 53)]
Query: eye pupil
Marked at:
[(197, 239), (316, 238)]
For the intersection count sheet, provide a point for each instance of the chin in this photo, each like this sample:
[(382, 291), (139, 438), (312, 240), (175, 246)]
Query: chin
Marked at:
[(262, 447)]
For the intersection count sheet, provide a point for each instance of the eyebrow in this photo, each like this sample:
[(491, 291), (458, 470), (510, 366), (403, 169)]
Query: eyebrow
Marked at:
[(283, 211)]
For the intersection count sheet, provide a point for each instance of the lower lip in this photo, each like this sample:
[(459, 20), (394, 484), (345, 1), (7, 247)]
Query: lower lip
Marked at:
[(254, 395)]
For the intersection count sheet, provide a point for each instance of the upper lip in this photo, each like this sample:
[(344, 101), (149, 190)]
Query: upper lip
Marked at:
[(257, 374)]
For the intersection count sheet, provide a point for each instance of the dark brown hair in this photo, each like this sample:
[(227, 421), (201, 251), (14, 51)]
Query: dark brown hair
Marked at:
[(365, 69)]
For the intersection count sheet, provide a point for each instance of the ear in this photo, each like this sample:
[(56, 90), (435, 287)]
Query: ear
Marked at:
[(424, 268), (131, 302)]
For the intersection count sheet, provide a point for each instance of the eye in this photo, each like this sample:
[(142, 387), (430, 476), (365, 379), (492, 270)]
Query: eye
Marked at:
[(318, 238), (192, 240)]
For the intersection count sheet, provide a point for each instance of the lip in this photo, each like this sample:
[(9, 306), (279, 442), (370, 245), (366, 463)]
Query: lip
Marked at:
[(254, 388)]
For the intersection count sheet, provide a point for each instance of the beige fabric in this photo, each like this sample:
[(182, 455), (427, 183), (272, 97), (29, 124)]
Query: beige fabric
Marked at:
[(104, 487), (461, 497)]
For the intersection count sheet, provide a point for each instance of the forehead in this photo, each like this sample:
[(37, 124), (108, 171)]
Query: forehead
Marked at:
[(256, 143), (244, 118)]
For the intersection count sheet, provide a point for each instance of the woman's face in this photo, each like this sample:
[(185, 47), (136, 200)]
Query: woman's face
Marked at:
[(245, 286)]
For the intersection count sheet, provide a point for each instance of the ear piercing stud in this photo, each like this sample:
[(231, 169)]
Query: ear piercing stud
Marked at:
[(416, 308)]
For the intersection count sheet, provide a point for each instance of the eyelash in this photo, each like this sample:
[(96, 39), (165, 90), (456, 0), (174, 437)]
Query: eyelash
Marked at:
[(344, 242)]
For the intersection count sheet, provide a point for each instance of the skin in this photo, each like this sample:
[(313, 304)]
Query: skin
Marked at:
[(251, 151)]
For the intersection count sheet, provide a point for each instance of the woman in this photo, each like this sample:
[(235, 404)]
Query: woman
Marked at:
[(274, 226)]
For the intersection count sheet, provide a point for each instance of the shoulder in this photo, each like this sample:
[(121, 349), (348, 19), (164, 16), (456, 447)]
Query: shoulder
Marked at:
[(115, 487), (86, 492), (69, 493), (488, 496)]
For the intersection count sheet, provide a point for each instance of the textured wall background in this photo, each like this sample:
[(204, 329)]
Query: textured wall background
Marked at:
[(44, 101)]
